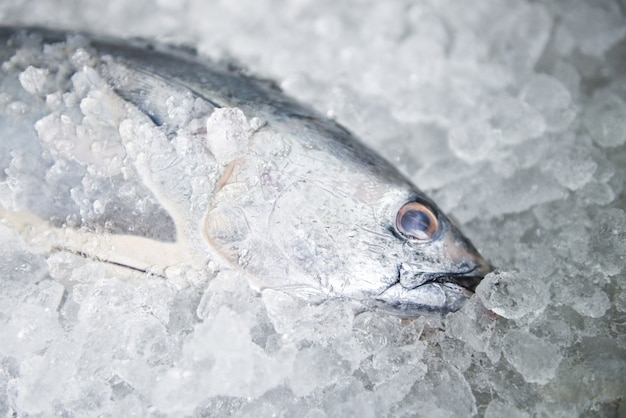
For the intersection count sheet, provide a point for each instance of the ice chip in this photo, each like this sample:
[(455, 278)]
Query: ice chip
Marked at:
[(227, 134), (552, 100), (536, 264), (573, 168), (567, 74), (605, 119), (316, 368), (474, 141), (102, 106), (454, 353), (351, 399), (498, 409), (527, 189), (586, 298), (229, 289), (87, 79), (595, 379), (179, 111), (220, 406), (516, 120), (280, 307), (600, 194), (28, 330), (448, 394), (475, 327), (513, 295), (371, 331), (521, 36), (219, 359), (535, 359), (595, 28), (391, 360), (40, 375), (34, 79), (556, 331), (130, 406), (445, 171), (608, 240), (49, 295)]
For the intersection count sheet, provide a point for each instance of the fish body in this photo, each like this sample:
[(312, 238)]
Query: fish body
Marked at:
[(145, 155)]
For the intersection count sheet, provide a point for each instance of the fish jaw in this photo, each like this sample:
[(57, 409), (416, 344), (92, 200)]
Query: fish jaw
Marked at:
[(434, 292), (436, 298)]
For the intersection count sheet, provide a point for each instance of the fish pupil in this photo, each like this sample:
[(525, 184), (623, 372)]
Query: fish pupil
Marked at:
[(416, 222)]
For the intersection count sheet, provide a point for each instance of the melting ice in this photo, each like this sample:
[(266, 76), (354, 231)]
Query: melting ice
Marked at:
[(510, 114)]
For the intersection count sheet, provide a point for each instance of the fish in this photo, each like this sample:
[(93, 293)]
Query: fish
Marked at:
[(149, 156)]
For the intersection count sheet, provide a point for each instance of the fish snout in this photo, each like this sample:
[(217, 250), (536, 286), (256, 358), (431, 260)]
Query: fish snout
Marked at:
[(471, 279), (473, 267)]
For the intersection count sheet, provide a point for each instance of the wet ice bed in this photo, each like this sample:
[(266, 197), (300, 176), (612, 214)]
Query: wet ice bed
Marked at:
[(510, 115)]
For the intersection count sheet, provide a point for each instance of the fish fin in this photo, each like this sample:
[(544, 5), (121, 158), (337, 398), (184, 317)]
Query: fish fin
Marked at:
[(150, 92), (128, 251)]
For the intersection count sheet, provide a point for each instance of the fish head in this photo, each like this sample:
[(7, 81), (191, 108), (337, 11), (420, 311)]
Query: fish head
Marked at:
[(438, 268), (328, 218)]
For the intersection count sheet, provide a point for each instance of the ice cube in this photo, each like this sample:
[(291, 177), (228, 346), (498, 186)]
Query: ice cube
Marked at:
[(516, 120), (521, 36), (29, 329), (551, 99), (573, 168), (449, 394), (594, 26), (34, 79), (534, 358), (315, 368), (475, 326), (497, 409), (607, 240), (585, 297), (474, 141), (513, 295), (227, 134), (605, 119)]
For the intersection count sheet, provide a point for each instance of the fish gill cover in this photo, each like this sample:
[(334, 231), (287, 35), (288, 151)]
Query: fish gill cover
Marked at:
[(509, 114)]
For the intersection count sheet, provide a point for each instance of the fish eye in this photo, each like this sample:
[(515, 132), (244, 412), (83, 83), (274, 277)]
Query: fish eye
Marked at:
[(417, 221)]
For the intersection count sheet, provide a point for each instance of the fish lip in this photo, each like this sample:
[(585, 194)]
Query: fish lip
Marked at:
[(466, 280), (402, 302)]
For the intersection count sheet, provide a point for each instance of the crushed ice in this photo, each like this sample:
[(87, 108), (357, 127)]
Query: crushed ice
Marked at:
[(510, 114)]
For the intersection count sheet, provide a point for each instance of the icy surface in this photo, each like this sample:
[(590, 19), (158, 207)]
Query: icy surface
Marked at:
[(510, 114)]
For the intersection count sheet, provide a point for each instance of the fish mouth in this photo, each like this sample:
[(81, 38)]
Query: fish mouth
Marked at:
[(468, 280), (441, 280), (436, 293)]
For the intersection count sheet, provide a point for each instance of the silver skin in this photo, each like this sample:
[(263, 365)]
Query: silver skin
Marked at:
[(297, 203)]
